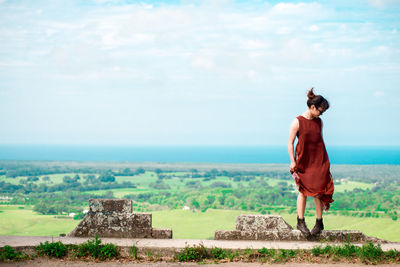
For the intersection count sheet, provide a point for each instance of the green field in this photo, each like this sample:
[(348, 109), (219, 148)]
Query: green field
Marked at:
[(54, 178), (186, 224), (176, 184), (144, 180), (210, 190), (351, 185), (17, 221)]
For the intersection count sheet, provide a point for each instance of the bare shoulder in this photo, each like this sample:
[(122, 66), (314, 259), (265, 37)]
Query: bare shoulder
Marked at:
[(295, 124)]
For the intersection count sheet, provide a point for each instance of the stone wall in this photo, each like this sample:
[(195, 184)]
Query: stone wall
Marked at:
[(114, 218), (274, 227)]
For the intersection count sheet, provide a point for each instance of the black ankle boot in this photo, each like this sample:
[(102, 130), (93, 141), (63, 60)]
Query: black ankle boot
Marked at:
[(319, 226), (301, 225)]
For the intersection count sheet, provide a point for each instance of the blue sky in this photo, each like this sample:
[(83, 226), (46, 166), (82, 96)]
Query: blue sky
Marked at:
[(197, 72)]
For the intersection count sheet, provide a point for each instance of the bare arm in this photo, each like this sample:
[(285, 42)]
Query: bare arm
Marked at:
[(321, 127), (294, 128)]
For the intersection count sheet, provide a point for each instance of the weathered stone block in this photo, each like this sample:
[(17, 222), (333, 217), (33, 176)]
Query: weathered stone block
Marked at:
[(294, 235), (140, 220), (226, 235), (261, 223), (114, 218), (273, 227), (235, 235), (110, 205), (271, 235), (161, 233), (343, 236), (116, 232)]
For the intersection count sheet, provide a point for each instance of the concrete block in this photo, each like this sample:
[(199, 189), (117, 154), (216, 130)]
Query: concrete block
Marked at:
[(261, 223), (161, 233), (110, 206), (114, 218)]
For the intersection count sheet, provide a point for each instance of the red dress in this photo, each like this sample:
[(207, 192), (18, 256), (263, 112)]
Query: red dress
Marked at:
[(312, 174)]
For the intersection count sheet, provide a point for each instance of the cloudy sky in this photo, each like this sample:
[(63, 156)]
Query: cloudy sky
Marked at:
[(197, 72)]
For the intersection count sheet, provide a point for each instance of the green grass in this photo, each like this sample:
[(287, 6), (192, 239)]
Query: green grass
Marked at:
[(119, 192), (196, 225), (142, 179), (275, 182), (15, 221), (188, 224), (54, 178), (351, 185), (176, 173)]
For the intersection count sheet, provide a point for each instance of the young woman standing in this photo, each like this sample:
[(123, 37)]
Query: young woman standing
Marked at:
[(309, 163)]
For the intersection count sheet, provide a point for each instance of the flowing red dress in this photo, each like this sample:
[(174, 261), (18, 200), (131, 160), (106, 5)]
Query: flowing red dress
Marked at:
[(312, 174)]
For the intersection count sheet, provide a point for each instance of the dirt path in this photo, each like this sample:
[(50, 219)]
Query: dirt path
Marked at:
[(57, 263)]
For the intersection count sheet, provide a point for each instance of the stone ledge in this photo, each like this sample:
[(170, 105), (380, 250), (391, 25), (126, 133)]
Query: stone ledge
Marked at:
[(295, 235), (114, 218), (110, 206), (275, 228), (161, 233), (261, 223)]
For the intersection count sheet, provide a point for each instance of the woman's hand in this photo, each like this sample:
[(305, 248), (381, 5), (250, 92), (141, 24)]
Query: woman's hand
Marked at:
[(293, 167)]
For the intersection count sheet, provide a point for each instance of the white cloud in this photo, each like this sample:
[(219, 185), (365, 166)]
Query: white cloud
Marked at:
[(252, 74), (15, 63), (289, 8), (250, 44), (384, 3), (379, 94), (298, 9), (313, 28), (284, 30), (170, 57), (202, 62)]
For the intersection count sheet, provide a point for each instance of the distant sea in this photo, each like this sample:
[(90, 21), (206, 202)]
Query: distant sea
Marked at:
[(210, 154)]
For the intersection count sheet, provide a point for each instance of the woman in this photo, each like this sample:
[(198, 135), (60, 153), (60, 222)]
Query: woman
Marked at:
[(309, 164)]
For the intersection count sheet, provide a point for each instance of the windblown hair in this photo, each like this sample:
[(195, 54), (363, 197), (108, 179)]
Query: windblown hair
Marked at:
[(317, 100)]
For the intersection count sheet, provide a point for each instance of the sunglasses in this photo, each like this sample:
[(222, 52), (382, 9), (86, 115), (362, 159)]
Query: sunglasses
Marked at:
[(320, 112)]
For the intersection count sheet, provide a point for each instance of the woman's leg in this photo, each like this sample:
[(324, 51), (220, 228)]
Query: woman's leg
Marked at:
[(301, 205), (318, 207)]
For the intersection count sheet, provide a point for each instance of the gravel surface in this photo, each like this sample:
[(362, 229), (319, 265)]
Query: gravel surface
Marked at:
[(50, 263)]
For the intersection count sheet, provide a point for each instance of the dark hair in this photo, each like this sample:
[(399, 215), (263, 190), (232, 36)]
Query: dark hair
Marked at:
[(317, 100)]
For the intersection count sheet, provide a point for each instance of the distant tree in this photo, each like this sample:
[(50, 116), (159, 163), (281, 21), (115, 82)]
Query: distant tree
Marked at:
[(193, 184), (127, 172), (46, 178), (69, 180), (160, 185), (127, 184), (224, 173), (107, 177), (214, 172), (158, 171), (220, 184), (222, 200), (11, 174), (91, 178), (210, 199), (194, 173), (45, 208), (140, 170), (194, 203), (32, 179)]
